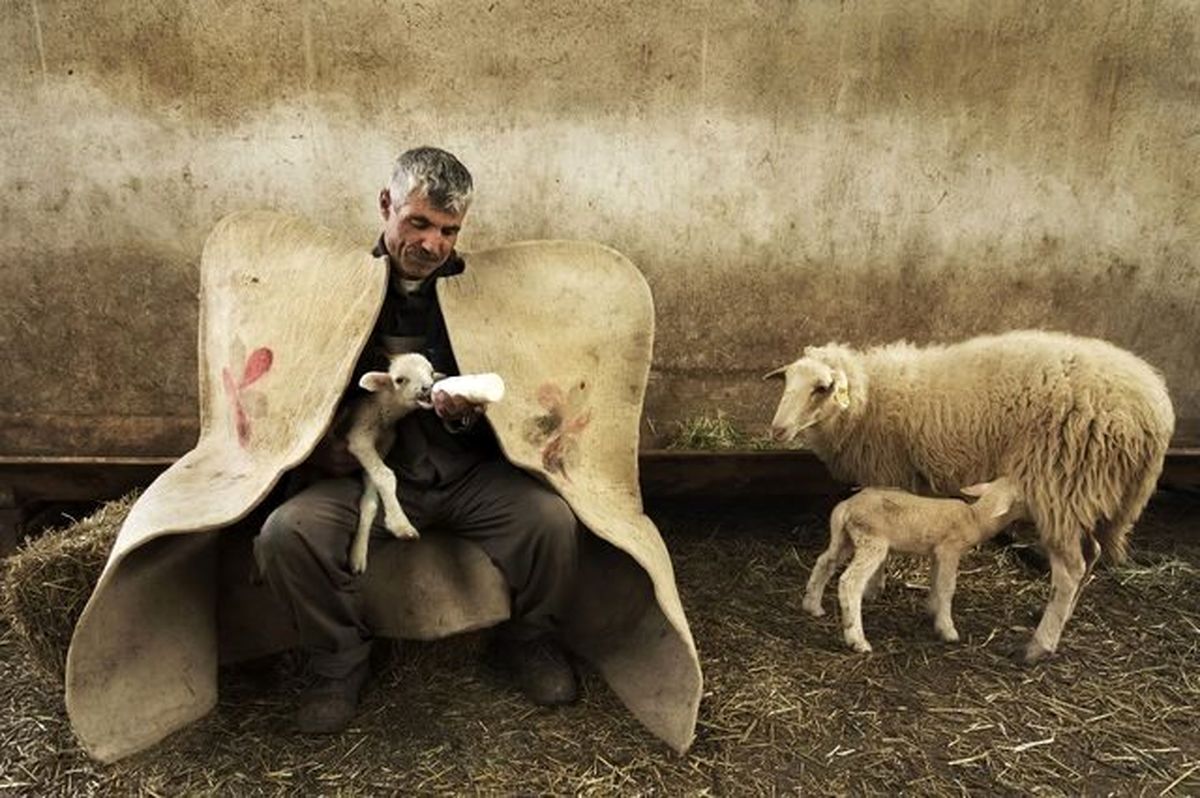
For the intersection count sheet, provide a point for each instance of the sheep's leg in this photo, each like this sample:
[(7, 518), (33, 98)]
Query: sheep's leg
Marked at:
[(368, 506), (385, 482), (1090, 549), (1066, 574), (945, 566), (825, 565), (869, 555)]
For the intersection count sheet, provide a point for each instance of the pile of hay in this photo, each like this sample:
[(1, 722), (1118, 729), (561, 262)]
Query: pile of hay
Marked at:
[(48, 582)]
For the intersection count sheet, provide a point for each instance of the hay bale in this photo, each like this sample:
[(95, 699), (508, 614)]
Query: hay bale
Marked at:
[(48, 582)]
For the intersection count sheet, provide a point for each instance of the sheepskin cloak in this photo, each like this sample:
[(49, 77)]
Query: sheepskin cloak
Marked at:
[(285, 309)]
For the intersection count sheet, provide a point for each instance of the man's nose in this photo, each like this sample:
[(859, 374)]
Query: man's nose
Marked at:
[(433, 243)]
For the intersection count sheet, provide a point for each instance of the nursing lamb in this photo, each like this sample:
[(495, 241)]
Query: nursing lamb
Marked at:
[(393, 394), (1080, 425), (874, 521)]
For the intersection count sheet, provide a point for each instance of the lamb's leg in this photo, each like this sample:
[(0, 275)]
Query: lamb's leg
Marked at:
[(1066, 573), (368, 505), (385, 482), (876, 584), (942, 592), (825, 565), (869, 555), (931, 601)]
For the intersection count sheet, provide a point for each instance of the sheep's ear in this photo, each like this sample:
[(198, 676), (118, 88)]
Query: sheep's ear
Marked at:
[(976, 490), (437, 375), (375, 381), (841, 389), (777, 374)]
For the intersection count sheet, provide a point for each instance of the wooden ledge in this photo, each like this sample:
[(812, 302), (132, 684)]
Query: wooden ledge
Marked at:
[(664, 473)]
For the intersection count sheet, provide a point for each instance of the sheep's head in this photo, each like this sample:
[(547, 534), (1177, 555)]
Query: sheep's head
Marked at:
[(409, 377), (813, 393), (999, 499)]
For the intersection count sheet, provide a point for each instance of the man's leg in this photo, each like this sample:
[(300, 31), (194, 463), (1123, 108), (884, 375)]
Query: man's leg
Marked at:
[(303, 555), (532, 536)]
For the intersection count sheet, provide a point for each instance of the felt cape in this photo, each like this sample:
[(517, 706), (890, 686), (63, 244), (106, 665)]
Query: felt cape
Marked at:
[(285, 309)]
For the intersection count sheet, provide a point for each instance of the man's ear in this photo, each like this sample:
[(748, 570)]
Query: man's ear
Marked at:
[(385, 203), (375, 381), (778, 374)]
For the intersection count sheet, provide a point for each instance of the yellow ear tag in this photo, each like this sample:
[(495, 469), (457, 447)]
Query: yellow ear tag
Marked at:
[(842, 397)]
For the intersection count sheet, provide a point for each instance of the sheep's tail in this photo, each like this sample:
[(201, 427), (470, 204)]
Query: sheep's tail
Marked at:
[(1103, 481), (1113, 534)]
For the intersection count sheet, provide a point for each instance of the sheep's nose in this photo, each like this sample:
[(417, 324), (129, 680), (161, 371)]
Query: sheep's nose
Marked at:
[(779, 433)]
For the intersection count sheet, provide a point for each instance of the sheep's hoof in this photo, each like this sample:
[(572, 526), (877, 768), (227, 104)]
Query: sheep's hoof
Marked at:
[(1036, 652), (950, 636), (813, 608), (861, 646), (358, 562)]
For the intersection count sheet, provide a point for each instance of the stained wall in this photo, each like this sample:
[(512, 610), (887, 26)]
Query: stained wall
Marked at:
[(784, 173)]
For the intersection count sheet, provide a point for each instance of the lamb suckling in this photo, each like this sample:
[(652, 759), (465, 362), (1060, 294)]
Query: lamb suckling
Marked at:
[(865, 527), (393, 394), (1080, 426)]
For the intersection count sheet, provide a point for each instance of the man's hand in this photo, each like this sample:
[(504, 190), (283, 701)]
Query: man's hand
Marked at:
[(455, 408)]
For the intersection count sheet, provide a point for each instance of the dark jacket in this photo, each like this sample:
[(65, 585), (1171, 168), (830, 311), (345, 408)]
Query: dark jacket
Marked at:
[(426, 452)]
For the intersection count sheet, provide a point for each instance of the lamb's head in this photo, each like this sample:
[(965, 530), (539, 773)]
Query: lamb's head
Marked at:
[(814, 392), (409, 378), (1000, 501)]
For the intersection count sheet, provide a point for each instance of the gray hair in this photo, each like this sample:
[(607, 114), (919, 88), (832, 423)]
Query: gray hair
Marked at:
[(435, 173)]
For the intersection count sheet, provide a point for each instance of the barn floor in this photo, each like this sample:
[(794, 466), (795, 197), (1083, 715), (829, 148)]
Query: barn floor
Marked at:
[(786, 709)]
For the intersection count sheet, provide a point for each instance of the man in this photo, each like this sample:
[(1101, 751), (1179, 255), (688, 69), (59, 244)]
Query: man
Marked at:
[(451, 476)]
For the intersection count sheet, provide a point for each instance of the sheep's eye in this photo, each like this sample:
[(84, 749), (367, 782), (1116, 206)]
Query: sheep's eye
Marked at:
[(821, 389), (401, 380)]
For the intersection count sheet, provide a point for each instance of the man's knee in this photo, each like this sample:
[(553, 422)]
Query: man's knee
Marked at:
[(553, 527), (280, 538)]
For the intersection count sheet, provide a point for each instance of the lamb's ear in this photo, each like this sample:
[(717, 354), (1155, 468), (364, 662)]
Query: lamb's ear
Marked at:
[(777, 374), (976, 490), (375, 381), (438, 376), (1003, 507)]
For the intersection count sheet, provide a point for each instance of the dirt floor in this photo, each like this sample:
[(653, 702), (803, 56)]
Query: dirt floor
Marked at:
[(786, 708)]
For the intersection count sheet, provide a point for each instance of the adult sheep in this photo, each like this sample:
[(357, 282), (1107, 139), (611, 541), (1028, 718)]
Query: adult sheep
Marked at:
[(1081, 425)]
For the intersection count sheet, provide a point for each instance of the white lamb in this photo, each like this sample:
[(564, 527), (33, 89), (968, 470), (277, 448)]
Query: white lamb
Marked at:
[(876, 520), (1078, 424), (403, 388), (407, 385)]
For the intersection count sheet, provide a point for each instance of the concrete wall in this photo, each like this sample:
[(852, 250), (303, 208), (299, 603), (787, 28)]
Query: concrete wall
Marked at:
[(785, 173)]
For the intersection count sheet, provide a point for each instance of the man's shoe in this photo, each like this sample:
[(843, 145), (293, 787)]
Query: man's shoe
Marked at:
[(329, 705), (540, 668)]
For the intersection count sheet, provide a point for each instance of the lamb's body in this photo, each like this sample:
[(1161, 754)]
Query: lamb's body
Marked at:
[(876, 520), (393, 395), (1080, 425)]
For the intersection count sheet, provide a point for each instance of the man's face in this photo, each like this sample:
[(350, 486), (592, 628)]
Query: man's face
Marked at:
[(418, 235)]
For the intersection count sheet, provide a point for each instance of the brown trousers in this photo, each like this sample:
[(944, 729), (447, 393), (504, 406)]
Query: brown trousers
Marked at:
[(526, 528)]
